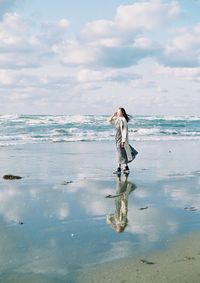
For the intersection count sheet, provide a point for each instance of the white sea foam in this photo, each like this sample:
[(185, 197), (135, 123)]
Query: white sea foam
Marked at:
[(169, 118), (72, 130), (16, 129), (144, 132), (9, 117)]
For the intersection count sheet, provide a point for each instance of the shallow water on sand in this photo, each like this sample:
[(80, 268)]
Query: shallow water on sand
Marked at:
[(57, 220)]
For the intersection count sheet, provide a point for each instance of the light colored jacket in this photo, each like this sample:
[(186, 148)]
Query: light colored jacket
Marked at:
[(124, 132)]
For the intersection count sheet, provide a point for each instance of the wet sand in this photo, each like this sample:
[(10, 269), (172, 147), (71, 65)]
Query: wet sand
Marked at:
[(53, 221), (179, 263)]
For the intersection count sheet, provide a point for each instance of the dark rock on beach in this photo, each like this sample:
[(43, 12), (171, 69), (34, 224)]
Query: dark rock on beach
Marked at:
[(146, 261), (190, 208), (142, 208), (67, 182), (11, 177)]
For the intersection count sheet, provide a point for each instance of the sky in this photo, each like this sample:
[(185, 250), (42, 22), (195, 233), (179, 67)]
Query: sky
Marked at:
[(93, 56)]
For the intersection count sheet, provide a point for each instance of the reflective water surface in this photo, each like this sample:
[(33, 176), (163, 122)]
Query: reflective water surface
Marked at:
[(69, 212)]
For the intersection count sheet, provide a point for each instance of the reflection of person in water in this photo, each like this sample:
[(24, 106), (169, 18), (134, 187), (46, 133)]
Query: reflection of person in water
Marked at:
[(119, 220)]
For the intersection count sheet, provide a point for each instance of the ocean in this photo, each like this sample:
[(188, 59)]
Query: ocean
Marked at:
[(24, 129)]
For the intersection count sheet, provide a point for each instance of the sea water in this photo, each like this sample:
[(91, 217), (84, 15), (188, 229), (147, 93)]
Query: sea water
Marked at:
[(23, 129)]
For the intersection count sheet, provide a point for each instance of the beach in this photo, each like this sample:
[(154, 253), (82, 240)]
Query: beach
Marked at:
[(179, 263), (54, 220)]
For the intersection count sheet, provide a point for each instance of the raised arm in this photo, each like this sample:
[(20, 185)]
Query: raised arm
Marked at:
[(112, 118)]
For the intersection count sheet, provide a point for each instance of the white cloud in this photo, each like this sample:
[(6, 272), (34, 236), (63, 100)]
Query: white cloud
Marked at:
[(183, 50), (6, 78), (129, 20), (100, 28), (145, 43), (64, 23), (104, 43), (117, 43), (54, 31), (5, 5), (77, 53), (21, 47), (147, 15), (103, 32), (74, 52), (13, 32), (18, 46), (19, 61), (190, 74), (87, 75)]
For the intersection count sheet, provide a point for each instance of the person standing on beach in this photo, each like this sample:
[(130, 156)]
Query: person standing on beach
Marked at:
[(126, 153)]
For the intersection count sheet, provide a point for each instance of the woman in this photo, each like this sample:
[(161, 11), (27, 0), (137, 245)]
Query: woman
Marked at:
[(125, 152)]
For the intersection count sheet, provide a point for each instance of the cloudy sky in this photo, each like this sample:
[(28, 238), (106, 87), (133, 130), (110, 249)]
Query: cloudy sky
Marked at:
[(91, 56)]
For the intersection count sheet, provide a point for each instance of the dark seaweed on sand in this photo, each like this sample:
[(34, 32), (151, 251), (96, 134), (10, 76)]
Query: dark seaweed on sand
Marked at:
[(11, 177)]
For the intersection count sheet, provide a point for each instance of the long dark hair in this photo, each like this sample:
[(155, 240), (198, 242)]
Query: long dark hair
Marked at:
[(126, 116)]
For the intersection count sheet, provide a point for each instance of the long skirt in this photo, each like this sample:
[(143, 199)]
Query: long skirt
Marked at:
[(121, 154), (126, 154)]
